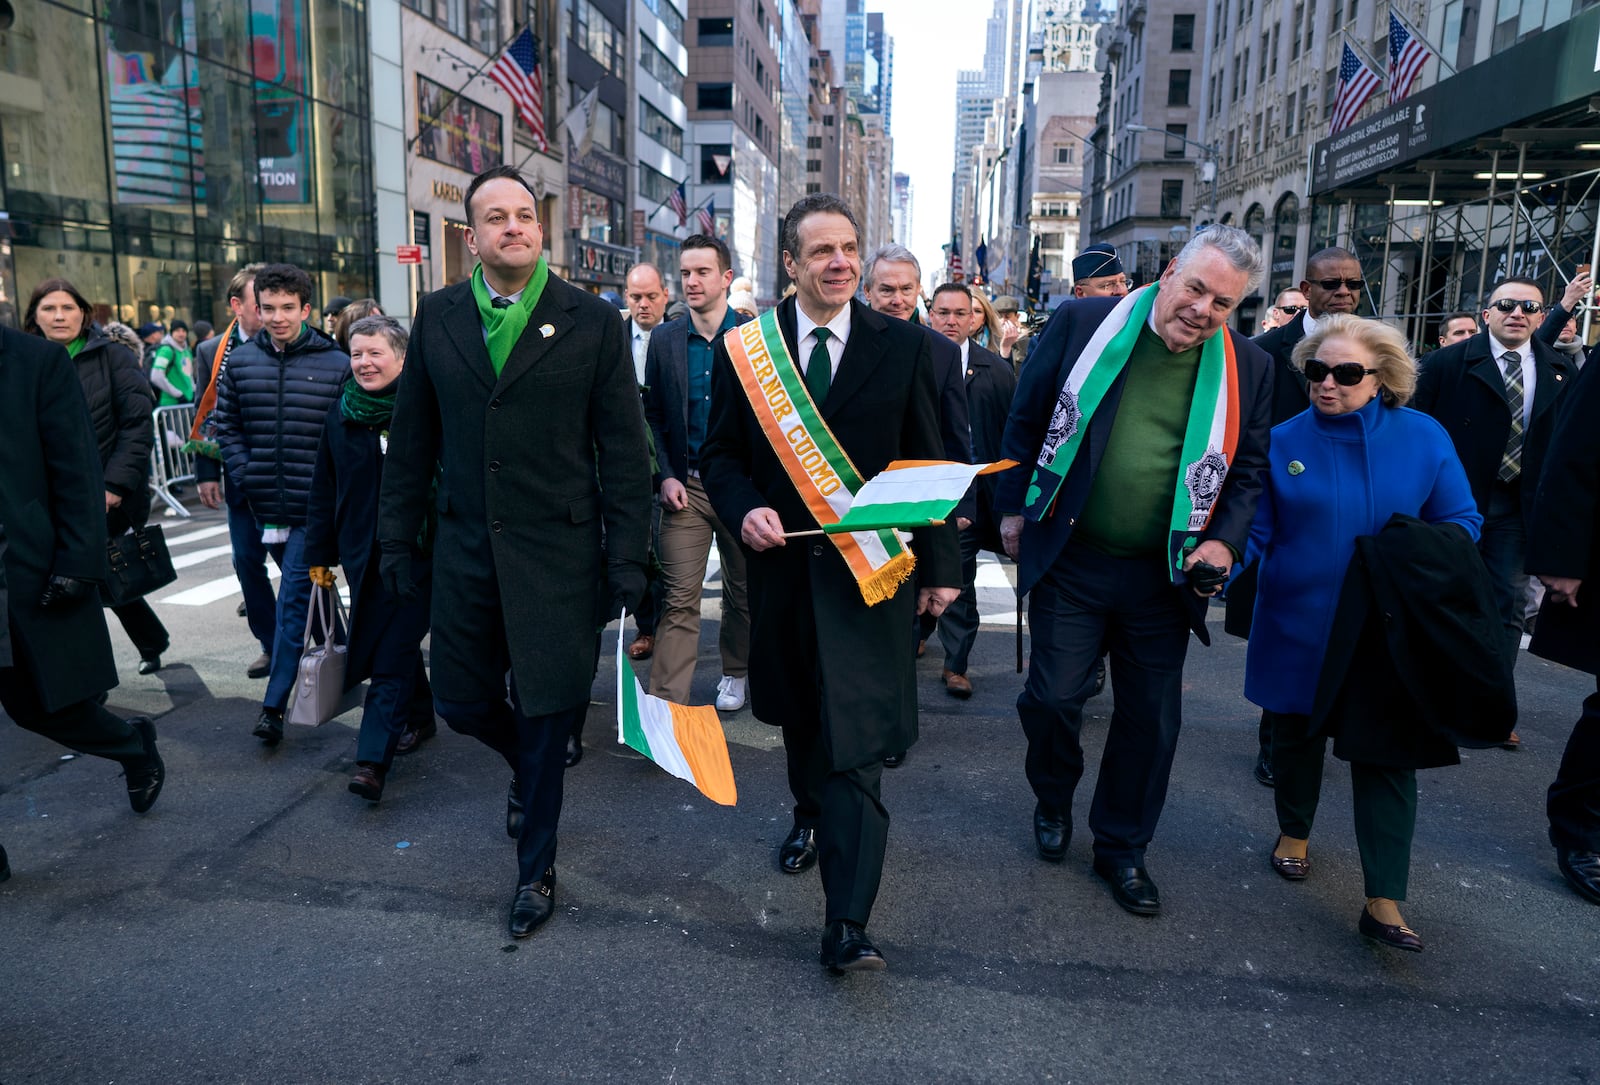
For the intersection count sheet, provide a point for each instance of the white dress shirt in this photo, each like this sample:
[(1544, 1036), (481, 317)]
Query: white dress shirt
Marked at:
[(1529, 373), (839, 327), (640, 342), (1308, 321)]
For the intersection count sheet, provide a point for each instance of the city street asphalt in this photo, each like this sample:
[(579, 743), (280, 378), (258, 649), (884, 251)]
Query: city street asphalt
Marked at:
[(262, 924)]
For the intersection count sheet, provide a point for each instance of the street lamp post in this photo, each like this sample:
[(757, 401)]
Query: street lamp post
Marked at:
[(1208, 168)]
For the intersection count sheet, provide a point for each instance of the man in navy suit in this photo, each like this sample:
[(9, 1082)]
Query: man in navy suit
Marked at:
[(677, 404), (1098, 560)]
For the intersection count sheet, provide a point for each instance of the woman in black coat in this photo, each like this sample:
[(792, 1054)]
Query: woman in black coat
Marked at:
[(120, 403), (342, 529)]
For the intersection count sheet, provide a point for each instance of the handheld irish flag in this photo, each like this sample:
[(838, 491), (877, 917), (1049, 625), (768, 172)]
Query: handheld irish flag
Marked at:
[(910, 494), (686, 740)]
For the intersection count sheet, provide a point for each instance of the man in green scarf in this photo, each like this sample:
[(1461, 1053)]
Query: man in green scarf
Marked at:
[(519, 387)]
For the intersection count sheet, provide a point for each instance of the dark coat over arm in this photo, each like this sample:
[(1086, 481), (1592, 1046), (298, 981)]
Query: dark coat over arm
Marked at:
[(1564, 535), (817, 651), (535, 463)]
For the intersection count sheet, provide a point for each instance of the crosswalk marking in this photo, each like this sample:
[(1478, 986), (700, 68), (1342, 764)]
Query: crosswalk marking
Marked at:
[(196, 557), (195, 536), (211, 590)]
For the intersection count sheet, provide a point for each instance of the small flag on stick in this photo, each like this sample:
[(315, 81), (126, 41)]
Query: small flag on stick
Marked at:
[(685, 740), (910, 494)]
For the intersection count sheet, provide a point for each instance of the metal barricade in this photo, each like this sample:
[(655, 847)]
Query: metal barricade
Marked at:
[(169, 464)]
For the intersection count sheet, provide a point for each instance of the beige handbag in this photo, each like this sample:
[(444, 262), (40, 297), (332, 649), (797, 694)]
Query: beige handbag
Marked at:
[(319, 693)]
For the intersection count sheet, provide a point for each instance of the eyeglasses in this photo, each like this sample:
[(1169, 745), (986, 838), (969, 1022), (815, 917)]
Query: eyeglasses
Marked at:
[(1507, 305), (1291, 310), (1349, 374), (1353, 285)]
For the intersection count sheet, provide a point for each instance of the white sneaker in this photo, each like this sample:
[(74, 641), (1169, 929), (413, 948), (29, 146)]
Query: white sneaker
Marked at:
[(730, 694)]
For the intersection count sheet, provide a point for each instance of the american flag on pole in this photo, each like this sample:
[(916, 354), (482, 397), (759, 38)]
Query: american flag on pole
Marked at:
[(679, 202), (708, 218), (519, 75), (1357, 83), (1407, 55), (956, 273)]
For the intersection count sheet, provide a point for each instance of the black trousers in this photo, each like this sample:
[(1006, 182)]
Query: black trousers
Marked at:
[(846, 809), (85, 726), (1089, 602), (1573, 802)]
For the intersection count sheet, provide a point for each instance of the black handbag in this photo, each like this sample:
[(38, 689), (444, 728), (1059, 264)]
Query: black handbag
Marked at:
[(139, 564)]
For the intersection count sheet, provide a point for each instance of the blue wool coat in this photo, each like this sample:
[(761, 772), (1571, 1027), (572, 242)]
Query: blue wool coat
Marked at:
[(1333, 478)]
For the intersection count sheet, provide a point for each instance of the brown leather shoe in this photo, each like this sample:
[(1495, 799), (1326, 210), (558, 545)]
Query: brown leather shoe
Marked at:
[(414, 737), (922, 648), (957, 685), (643, 647), (1513, 742), (368, 781)]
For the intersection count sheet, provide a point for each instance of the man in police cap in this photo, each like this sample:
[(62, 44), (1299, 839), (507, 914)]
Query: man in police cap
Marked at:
[(1097, 273)]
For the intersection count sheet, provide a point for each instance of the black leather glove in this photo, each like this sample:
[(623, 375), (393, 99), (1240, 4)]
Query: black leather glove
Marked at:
[(59, 590), (394, 568), (627, 583), (1206, 578)]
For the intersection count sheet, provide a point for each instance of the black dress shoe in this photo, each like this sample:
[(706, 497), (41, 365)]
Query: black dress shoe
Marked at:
[(5, 865), (1582, 871), (845, 949), (574, 750), (895, 760), (1395, 936), (269, 727), (1099, 677), (1131, 887), (1263, 773), (514, 813), (146, 775), (368, 781), (1050, 834), (150, 664), (414, 737), (798, 853), (533, 904)]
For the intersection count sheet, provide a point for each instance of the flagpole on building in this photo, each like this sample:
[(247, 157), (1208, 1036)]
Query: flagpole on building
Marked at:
[(562, 124), (1379, 70), (668, 200), (478, 71), (1423, 38)]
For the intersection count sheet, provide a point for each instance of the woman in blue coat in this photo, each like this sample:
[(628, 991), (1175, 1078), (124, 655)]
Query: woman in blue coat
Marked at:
[(1340, 471), (342, 529)]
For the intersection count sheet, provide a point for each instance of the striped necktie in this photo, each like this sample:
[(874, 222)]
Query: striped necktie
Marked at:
[(1511, 462)]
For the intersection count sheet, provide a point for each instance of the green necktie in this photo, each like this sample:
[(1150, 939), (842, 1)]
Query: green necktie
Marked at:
[(819, 370)]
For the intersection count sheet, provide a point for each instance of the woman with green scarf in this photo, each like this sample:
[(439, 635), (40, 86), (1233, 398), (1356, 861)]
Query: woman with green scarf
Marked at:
[(342, 529)]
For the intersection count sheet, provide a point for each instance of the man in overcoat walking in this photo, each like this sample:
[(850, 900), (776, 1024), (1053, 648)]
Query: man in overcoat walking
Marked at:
[(519, 396), (826, 666)]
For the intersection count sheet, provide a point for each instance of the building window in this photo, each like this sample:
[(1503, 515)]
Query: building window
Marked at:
[(669, 16), (476, 22), (1174, 147), (1182, 33), (715, 159), (1178, 87), (714, 96), (1171, 199), (1288, 116), (597, 35), (654, 186), (714, 32), (659, 127), (1066, 155), (655, 62)]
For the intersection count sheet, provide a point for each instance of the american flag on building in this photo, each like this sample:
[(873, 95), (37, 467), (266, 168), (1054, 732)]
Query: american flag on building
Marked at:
[(679, 203), (518, 73), (708, 218), (956, 272), (1407, 55), (1357, 83)]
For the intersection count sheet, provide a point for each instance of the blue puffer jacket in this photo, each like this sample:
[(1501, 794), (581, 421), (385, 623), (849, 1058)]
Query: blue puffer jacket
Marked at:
[(271, 407)]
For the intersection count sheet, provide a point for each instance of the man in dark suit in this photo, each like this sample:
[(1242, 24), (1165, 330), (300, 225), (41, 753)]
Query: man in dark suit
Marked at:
[(1496, 395), (55, 657), (1564, 551), (519, 403), (677, 405), (832, 671), (990, 385), (1112, 558), (645, 292)]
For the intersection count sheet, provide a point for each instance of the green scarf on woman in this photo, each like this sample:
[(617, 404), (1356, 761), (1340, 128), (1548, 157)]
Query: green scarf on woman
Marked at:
[(75, 346), (505, 326), (366, 408)]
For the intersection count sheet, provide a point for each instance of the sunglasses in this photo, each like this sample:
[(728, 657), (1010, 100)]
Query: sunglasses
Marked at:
[(1292, 310), (1507, 305), (1353, 285), (1349, 374)]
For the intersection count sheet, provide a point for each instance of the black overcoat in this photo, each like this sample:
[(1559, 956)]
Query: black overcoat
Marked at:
[(535, 462), (1289, 395), (1413, 667), (990, 385), (1564, 536), (1461, 386), (342, 530), (52, 503), (805, 605)]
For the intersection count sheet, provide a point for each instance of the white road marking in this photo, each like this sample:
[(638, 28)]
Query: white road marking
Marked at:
[(196, 536), (211, 590)]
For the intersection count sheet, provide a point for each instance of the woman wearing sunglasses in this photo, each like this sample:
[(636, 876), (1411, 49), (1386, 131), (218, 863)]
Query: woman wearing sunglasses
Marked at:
[(1338, 472)]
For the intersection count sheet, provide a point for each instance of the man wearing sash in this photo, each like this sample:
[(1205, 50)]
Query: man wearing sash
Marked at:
[(518, 420), (807, 402), (1141, 425)]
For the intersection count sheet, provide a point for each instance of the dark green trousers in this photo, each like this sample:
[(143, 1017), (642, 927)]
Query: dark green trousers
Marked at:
[(1385, 802)]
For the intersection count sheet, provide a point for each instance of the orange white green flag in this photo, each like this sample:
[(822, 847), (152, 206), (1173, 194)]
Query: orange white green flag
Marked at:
[(685, 740), (909, 494)]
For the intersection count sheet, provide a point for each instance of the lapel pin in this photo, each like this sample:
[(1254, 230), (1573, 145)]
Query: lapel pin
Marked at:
[(547, 330), (1296, 467)]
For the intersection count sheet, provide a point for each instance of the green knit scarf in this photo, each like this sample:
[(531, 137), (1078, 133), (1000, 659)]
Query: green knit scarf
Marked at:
[(505, 326), (366, 408)]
